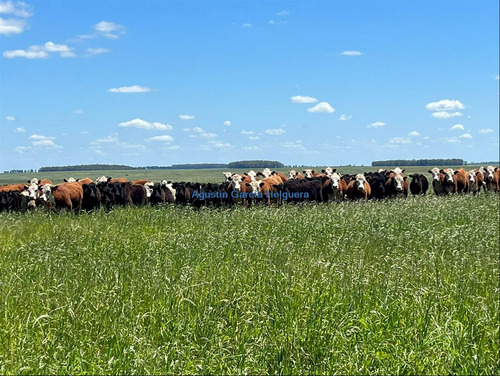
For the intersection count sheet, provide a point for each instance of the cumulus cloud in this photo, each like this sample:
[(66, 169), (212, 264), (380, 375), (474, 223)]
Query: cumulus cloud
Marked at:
[(446, 115), (485, 131), (109, 29), (20, 130), (352, 53), (275, 132), (41, 141), (345, 117), (40, 52), (142, 124), (130, 89), (466, 135), (186, 117), (414, 134), (227, 123), (17, 12), (302, 99), (322, 107), (246, 25), (377, 124), (457, 127), (445, 105), (164, 138), (10, 118)]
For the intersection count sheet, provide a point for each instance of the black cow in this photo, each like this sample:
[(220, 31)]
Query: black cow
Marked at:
[(377, 184), (91, 197), (419, 184), (308, 190), (11, 201)]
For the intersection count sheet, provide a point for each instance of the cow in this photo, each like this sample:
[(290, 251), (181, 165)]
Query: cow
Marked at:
[(282, 176), (13, 187), (84, 181), (65, 196), (268, 189), (292, 174), (91, 199), (461, 177), (227, 176), (301, 190), (419, 184), (377, 184), (328, 171), (252, 174), (358, 188), (475, 181), (265, 173), (398, 171), (141, 181), (438, 183), (492, 178), (169, 190), (10, 201), (396, 185), (70, 180), (309, 174)]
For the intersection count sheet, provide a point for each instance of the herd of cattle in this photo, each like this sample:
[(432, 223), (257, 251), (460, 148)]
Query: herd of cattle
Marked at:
[(266, 186)]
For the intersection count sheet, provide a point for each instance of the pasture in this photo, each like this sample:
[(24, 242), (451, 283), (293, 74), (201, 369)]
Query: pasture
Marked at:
[(402, 286)]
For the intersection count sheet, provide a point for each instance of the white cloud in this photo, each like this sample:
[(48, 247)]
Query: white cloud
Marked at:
[(445, 105), (20, 130), (18, 8), (37, 137), (275, 132), (377, 124), (247, 132), (95, 51), (414, 134), (466, 135), (111, 139), (295, 145), (198, 129), (21, 149), (345, 117), (41, 141), (246, 25), (78, 112), (142, 124), (186, 129), (186, 117), (352, 53), (303, 99), (322, 107), (486, 131), (227, 123), (11, 26), (10, 118), (40, 52), (130, 89), (208, 135), (446, 115), (457, 127), (165, 138), (109, 29)]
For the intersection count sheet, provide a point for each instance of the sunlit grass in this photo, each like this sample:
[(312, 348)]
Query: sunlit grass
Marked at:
[(392, 287)]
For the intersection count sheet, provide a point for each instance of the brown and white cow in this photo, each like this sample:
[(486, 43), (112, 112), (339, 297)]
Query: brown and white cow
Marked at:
[(492, 178), (475, 181), (65, 196), (309, 174), (358, 188), (292, 174), (438, 183)]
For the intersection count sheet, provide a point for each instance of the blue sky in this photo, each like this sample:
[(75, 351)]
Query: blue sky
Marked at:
[(302, 82)]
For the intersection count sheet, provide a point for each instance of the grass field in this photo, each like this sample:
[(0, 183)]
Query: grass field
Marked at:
[(392, 287)]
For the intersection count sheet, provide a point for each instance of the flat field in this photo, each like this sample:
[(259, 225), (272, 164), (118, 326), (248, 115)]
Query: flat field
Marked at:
[(392, 287)]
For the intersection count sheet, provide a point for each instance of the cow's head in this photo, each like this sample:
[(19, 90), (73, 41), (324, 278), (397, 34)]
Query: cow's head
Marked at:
[(236, 182), (398, 182), (91, 191), (308, 174), (149, 188), (101, 179), (448, 174), (335, 179), (32, 190), (33, 181), (360, 182), (472, 175), (70, 180), (398, 171), (435, 172), (490, 171), (292, 174), (328, 171), (227, 175), (252, 174), (254, 186), (46, 192)]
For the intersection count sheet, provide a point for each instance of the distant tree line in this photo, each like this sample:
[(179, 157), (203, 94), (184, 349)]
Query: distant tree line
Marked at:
[(18, 171), (421, 162), (255, 164), (87, 167)]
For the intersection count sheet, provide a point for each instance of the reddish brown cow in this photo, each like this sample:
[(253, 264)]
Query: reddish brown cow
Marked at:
[(66, 196), (358, 188), (13, 187), (462, 180), (117, 180), (282, 176), (84, 181), (141, 181)]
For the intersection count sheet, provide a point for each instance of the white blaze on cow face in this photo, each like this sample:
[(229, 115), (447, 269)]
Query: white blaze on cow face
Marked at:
[(329, 171), (308, 174), (335, 179), (227, 175), (252, 174), (292, 174), (472, 176), (490, 171), (70, 180), (255, 186), (101, 179), (435, 173), (169, 186), (266, 172), (399, 182), (149, 188), (449, 173), (360, 182), (32, 190), (46, 192), (398, 171), (33, 181), (236, 182)]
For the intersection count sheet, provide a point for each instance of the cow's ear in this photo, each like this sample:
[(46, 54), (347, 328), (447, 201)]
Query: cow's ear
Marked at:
[(85, 186), (334, 170), (54, 188), (429, 171), (411, 176), (26, 186), (313, 171), (77, 180), (273, 173), (403, 170), (456, 172), (261, 184), (28, 181), (323, 171), (304, 171), (441, 171), (65, 180), (495, 170), (404, 178), (109, 179), (247, 184)]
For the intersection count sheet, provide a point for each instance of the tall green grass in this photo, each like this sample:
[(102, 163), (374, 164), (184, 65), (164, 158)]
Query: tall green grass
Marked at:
[(393, 287)]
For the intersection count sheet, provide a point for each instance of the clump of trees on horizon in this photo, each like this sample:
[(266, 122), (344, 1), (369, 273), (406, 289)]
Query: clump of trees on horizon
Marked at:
[(421, 162)]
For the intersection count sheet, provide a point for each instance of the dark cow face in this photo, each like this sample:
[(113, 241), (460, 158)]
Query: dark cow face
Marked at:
[(91, 191), (107, 196)]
